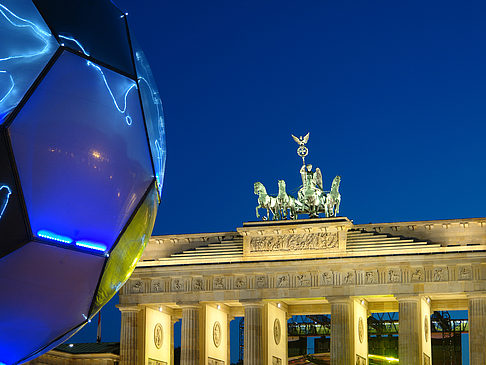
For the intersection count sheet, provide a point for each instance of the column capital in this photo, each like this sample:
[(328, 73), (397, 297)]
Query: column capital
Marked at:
[(409, 297), (476, 295), (339, 299), (252, 303), (189, 305), (128, 308)]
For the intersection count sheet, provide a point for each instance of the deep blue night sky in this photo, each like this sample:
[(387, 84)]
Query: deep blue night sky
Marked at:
[(393, 94)]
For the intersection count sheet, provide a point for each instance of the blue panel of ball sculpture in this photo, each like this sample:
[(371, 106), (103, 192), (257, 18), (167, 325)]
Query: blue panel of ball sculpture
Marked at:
[(82, 158)]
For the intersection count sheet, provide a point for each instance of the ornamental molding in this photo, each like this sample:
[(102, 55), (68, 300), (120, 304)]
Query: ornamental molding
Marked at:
[(293, 278)]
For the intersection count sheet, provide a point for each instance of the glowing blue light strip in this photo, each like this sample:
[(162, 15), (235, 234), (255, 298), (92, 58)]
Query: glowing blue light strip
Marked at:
[(12, 85), (41, 34), (64, 239), (53, 236), (160, 113), (3, 205), (91, 245), (123, 109)]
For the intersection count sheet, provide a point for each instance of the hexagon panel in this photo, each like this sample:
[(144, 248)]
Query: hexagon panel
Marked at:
[(26, 46)]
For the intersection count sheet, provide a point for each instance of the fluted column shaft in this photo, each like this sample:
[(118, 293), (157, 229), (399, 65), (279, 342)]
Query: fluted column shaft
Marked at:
[(409, 331), (342, 350), (253, 334), (129, 336), (190, 335), (477, 330)]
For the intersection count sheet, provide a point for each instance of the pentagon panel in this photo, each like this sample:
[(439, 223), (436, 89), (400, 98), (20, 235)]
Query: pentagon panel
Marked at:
[(82, 154), (95, 27), (153, 111), (54, 344), (127, 252), (26, 46), (13, 230), (49, 290)]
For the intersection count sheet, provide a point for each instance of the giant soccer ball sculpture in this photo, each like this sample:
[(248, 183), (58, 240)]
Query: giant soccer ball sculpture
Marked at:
[(82, 154)]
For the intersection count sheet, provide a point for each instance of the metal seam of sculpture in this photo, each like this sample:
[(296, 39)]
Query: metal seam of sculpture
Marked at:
[(82, 154), (311, 198)]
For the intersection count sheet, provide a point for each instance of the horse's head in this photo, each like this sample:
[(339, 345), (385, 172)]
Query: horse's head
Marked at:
[(335, 183), (258, 188), (281, 186)]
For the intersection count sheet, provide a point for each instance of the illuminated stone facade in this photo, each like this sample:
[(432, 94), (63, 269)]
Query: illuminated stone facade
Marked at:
[(268, 271)]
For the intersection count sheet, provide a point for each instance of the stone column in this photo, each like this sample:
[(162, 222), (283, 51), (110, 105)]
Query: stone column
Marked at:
[(228, 342), (477, 329), (129, 335), (342, 349), (414, 330), (190, 335), (173, 321), (253, 334)]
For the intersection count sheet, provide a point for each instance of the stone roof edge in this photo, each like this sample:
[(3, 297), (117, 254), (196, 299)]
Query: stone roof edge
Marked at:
[(205, 235), (436, 221), (74, 356)]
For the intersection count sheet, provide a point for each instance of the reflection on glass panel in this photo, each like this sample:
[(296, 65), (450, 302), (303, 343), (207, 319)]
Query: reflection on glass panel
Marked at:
[(26, 46), (13, 233), (49, 293), (82, 154), (97, 25), (54, 344), (154, 114), (127, 252)]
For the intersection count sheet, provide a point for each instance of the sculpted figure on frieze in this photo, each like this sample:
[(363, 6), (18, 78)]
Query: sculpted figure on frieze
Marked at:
[(311, 197)]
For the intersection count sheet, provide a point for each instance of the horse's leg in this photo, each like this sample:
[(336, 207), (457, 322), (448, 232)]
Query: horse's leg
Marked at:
[(256, 209)]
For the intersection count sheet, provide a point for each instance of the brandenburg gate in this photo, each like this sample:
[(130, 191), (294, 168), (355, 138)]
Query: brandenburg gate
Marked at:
[(267, 271)]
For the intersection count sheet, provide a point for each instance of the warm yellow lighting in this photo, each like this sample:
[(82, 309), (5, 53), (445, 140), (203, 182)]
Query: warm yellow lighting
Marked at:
[(96, 154), (390, 360)]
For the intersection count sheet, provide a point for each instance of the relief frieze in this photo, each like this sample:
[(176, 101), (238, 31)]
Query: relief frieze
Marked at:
[(240, 282), (137, 287), (197, 284), (417, 274), (327, 278), (294, 242), (156, 286), (440, 274), (261, 281), (464, 273), (282, 281), (177, 284), (302, 280), (371, 277), (218, 283)]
